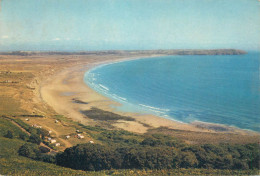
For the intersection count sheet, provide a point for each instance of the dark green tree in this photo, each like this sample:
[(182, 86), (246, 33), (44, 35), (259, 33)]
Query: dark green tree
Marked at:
[(188, 160), (152, 142), (23, 136), (34, 138), (25, 150), (42, 133), (86, 157), (29, 150), (48, 158), (240, 164)]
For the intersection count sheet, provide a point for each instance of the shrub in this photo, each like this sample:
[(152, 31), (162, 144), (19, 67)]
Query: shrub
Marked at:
[(151, 142), (23, 136), (48, 158), (42, 133), (240, 164), (34, 138), (188, 160), (29, 150), (9, 134), (44, 149)]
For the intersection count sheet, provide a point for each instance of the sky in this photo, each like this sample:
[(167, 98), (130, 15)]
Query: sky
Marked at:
[(77, 25)]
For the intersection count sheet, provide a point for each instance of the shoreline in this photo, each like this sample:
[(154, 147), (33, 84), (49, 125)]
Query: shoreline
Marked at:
[(59, 90)]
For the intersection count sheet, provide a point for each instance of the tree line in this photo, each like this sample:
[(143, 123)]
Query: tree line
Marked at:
[(94, 157)]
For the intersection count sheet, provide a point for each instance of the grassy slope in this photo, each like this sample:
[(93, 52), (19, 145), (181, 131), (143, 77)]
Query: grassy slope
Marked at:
[(13, 164)]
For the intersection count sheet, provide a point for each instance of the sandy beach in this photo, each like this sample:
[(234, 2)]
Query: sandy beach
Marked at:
[(59, 91), (45, 87)]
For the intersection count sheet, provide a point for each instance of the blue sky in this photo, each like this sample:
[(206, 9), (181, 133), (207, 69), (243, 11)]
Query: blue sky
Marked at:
[(129, 24)]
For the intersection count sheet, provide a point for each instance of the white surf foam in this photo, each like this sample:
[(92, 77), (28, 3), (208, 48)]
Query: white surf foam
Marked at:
[(154, 108), (104, 87)]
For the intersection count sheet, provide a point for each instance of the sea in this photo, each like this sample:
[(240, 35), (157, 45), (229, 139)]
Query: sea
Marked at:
[(222, 89)]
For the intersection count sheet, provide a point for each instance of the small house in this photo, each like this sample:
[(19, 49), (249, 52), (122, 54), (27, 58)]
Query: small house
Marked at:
[(67, 137), (80, 137), (91, 142), (57, 144), (36, 126), (49, 139), (56, 121), (53, 141)]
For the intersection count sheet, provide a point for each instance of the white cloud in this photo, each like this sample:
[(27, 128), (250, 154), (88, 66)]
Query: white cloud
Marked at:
[(5, 36), (56, 39)]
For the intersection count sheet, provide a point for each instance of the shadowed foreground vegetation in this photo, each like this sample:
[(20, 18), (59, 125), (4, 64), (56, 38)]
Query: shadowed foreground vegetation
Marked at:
[(154, 154)]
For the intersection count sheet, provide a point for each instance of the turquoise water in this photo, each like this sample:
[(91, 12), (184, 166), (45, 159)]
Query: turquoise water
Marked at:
[(216, 89)]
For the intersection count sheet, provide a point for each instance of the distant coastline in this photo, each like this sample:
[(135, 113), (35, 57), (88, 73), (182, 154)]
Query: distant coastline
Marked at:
[(130, 52)]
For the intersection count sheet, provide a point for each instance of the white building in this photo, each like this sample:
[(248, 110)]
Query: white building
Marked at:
[(80, 137), (53, 141), (36, 126)]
